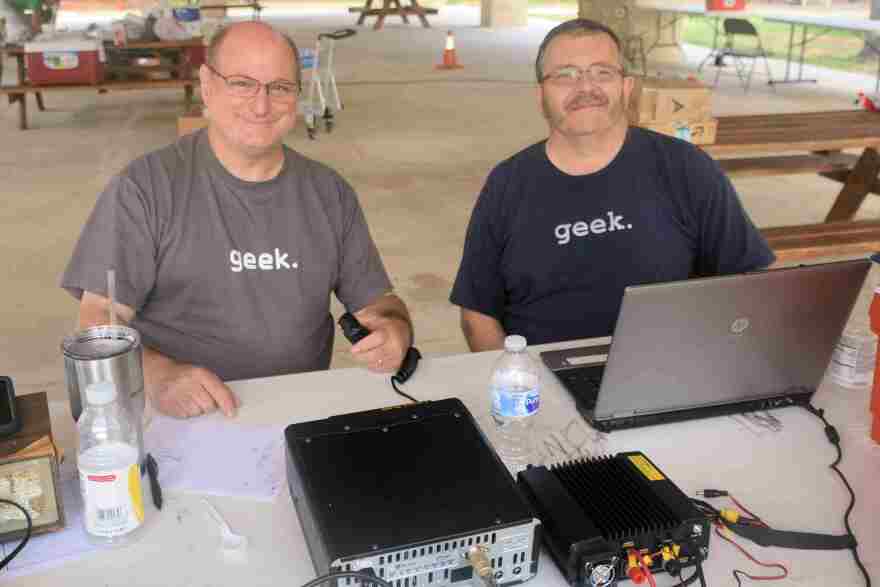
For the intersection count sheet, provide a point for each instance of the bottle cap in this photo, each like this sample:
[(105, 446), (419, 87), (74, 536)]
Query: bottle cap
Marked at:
[(515, 343), (101, 393)]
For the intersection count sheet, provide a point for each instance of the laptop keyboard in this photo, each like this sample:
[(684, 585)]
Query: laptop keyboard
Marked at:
[(583, 383)]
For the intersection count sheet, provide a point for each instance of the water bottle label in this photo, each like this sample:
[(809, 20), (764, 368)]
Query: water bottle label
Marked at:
[(113, 500), (507, 404)]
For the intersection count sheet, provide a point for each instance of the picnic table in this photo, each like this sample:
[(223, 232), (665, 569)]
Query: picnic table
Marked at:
[(810, 142), (180, 75), (824, 24), (393, 7)]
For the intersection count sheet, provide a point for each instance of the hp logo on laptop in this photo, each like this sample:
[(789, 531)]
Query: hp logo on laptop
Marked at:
[(739, 326)]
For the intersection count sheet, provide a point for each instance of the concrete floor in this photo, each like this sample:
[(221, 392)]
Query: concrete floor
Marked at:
[(416, 144)]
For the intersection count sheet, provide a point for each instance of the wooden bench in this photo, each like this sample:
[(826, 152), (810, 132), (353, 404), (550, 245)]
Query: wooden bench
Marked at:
[(17, 94), (810, 142), (809, 241), (393, 7), (821, 163)]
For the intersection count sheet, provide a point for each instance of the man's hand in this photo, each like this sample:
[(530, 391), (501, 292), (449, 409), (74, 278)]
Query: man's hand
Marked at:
[(174, 388), (390, 335), (190, 391)]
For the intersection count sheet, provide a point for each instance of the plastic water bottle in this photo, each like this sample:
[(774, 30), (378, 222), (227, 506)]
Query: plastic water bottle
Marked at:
[(109, 472), (516, 398)]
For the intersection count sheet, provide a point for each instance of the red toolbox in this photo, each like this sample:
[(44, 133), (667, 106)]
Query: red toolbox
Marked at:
[(65, 61), (725, 5)]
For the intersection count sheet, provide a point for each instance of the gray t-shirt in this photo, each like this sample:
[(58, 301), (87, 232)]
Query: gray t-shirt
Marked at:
[(230, 275)]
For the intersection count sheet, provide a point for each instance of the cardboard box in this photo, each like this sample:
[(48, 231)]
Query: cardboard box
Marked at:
[(191, 122), (668, 100), (698, 132), (65, 61)]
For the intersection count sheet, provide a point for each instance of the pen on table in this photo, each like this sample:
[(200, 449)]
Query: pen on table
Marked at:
[(153, 474)]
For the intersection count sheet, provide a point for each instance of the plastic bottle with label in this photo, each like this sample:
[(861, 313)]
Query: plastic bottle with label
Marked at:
[(854, 357), (109, 472), (516, 398), (874, 314)]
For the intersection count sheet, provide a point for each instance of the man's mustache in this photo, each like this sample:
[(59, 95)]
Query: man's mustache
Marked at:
[(585, 99)]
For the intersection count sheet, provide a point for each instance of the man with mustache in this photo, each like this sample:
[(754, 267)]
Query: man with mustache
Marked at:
[(562, 227), (227, 244)]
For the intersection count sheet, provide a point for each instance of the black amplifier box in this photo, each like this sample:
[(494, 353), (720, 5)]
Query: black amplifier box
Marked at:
[(613, 518), (404, 493)]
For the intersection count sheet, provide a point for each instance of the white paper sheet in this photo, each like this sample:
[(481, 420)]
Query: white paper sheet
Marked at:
[(211, 455), (208, 455)]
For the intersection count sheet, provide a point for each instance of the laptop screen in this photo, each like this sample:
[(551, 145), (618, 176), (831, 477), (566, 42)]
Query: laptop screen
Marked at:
[(721, 340)]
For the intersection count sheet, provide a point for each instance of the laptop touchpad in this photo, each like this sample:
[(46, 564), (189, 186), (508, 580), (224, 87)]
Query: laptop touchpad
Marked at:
[(576, 357)]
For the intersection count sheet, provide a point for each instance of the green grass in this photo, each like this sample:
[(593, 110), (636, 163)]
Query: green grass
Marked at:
[(834, 49)]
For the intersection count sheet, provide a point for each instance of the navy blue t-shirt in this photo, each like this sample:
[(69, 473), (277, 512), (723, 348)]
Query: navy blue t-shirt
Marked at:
[(548, 254)]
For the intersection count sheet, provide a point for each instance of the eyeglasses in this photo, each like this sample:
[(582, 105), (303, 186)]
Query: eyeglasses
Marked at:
[(242, 86), (571, 74)]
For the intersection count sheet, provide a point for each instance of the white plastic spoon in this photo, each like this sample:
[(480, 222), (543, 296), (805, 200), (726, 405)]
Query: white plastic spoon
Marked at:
[(229, 540)]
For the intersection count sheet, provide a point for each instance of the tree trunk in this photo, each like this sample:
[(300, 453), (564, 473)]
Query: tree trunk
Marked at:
[(872, 40)]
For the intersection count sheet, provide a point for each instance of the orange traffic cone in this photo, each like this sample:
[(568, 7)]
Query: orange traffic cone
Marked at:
[(867, 103), (450, 61)]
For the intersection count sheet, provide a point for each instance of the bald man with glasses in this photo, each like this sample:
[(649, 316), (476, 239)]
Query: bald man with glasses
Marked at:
[(562, 227), (227, 244)]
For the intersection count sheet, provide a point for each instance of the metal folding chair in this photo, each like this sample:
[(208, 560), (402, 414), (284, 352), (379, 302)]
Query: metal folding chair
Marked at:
[(742, 44), (323, 95)]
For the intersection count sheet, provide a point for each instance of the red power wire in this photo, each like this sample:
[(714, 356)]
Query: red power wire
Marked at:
[(737, 572), (651, 581)]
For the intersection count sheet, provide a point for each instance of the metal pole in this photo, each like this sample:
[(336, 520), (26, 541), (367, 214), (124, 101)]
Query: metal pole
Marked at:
[(803, 49), (791, 26)]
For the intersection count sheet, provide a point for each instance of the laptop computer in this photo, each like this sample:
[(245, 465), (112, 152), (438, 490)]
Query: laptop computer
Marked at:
[(713, 346)]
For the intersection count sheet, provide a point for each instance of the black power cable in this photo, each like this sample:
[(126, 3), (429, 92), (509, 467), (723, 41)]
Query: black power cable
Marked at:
[(698, 571), (401, 392), (363, 576), (407, 368), (27, 534), (834, 438)]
